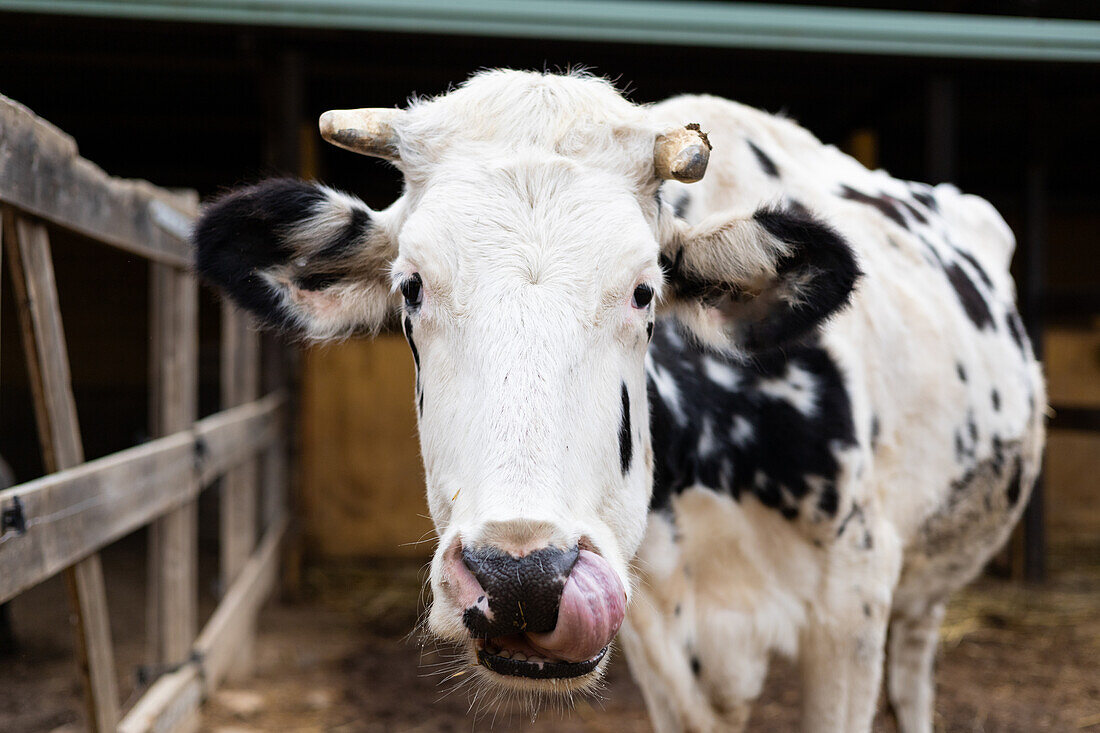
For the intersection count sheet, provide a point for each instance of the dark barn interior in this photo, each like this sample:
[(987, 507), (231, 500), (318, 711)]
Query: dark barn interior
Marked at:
[(207, 105)]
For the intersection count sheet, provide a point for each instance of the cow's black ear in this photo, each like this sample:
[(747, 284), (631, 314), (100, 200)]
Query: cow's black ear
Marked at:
[(303, 258), (758, 282)]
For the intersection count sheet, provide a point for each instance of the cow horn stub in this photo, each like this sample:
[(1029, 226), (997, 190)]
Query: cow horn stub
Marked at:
[(367, 131), (682, 154)]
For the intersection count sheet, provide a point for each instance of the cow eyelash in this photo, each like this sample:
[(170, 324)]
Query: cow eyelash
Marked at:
[(643, 296), (413, 291)]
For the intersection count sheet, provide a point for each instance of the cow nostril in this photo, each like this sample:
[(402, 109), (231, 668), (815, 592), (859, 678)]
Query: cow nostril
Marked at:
[(548, 560), (523, 592)]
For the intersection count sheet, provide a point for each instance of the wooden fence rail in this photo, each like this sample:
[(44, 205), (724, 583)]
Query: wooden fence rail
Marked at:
[(58, 523), (71, 514), (42, 174)]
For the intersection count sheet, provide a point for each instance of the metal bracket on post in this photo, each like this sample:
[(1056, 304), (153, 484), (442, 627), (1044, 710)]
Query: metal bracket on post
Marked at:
[(12, 518)]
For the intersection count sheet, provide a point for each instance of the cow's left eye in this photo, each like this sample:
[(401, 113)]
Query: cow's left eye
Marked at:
[(643, 295), (413, 291)]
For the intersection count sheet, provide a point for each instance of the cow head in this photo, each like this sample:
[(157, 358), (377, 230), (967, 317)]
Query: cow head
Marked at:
[(525, 262)]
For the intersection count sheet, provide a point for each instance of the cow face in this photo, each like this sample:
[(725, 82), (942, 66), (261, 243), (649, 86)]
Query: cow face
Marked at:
[(524, 263), (530, 329)]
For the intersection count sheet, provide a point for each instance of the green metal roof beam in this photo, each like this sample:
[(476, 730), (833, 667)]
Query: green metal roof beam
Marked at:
[(732, 25)]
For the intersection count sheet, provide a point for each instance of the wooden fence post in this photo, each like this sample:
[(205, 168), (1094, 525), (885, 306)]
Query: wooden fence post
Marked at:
[(173, 539), (35, 292), (61, 520), (240, 383), (277, 370)]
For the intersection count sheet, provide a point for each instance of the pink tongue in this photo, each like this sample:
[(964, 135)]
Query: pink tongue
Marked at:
[(593, 604)]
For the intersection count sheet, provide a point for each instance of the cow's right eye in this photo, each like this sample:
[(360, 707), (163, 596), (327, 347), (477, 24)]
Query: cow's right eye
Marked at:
[(413, 291)]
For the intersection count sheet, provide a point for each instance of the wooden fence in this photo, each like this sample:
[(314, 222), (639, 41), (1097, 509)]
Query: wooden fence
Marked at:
[(58, 523)]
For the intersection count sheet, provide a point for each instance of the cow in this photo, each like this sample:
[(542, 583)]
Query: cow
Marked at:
[(783, 408)]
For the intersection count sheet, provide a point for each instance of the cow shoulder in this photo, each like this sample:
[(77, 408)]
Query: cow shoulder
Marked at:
[(778, 429)]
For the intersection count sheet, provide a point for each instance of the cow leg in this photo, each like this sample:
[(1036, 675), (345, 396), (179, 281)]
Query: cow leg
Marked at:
[(662, 671), (695, 672), (823, 657), (911, 655), (841, 672), (842, 648), (682, 693)]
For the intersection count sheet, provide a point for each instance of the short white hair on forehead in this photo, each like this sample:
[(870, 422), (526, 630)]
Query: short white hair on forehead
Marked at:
[(537, 218), (576, 115)]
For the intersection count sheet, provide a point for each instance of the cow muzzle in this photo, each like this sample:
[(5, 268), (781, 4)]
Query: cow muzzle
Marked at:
[(548, 613)]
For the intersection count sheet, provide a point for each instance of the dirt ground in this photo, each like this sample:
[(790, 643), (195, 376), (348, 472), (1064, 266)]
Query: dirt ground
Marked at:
[(1012, 658)]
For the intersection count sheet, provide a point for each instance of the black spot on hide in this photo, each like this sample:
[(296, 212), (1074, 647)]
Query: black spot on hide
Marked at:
[(828, 499), (979, 474), (982, 274), (876, 431), (884, 204), (681, 206), (626, 443), (768, 494), (766, 163), (408, 328), (995, 399), (890, 206), (913, 211), (961, 370), (961, 451), (998, 459), (798, 208), (1019, 335), (977, 310), (649, 331), (1015, 483), (926, 199), (934, 255), (696, 666), (856, 513), (756, 441)]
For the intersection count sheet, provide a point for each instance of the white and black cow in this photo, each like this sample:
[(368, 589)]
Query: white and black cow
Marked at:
[(788, 409)]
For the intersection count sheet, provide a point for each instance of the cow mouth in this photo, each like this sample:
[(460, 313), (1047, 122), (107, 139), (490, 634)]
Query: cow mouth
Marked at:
[(589, 613), (516, 656)]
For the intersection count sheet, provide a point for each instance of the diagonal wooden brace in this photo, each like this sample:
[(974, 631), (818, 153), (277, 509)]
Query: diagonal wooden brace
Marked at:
[(35, 290)]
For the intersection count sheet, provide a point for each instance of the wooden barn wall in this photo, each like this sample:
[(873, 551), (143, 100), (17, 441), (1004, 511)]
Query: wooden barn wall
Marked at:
[(362, 481), (1072, 357), (1072, 365)]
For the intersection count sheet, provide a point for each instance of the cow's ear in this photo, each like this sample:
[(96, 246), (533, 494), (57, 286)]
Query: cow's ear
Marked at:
[(303, 258), (756, 282)]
